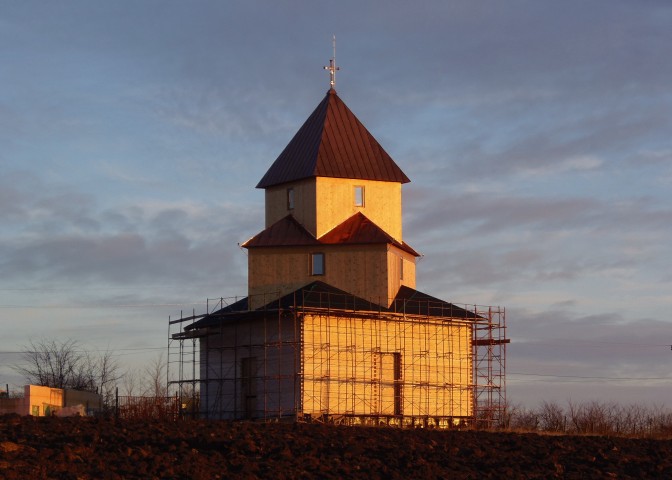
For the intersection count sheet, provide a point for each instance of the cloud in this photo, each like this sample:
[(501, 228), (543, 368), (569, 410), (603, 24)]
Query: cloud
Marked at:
[(65, 238), (561, 355), (478, 214), (606, 344), (248, 112), (27, 204), (470, 217)]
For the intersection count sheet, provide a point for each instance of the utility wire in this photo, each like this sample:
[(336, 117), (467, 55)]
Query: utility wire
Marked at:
[(582, 377), (111, 350), (102, 305)]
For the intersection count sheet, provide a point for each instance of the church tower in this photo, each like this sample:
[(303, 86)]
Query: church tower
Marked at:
[(333, 213)]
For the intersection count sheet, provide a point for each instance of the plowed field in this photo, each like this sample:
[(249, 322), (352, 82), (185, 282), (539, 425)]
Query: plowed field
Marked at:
[(91, 448)]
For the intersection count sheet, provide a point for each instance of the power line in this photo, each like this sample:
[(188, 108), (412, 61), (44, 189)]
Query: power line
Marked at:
[(79, 288), (111, 350), (582, 377), (209, 301), (102, 305), (586, 343)]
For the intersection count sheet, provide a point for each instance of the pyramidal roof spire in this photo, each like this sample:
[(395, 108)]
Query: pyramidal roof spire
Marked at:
[(332, 66), (332, 142)]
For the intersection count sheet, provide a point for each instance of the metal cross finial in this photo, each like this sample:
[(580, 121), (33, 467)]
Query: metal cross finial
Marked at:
[(332, 66)]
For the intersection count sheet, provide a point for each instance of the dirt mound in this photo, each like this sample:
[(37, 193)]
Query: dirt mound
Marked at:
[(90, 448)]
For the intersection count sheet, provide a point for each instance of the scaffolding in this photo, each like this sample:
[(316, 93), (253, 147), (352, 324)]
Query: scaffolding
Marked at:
[(334, 360)]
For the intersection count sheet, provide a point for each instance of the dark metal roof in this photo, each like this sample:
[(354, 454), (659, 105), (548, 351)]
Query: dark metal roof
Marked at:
[(356, 230), (283, 233), (314, 295), (332, 143), (413, 302), (322, 295)]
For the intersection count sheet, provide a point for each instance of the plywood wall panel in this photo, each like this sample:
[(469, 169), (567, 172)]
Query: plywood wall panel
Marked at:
[(360, 270), (349, 367), (336, 203)]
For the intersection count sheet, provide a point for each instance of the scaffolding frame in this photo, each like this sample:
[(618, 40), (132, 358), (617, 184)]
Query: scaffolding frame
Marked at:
[(338, 362)]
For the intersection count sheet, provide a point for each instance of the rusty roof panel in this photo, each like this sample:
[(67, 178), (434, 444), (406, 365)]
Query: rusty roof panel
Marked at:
[(333, 143), (283, 233), (358, 229)]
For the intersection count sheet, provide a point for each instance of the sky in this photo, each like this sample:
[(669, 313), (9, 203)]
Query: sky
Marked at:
[(537, 136)]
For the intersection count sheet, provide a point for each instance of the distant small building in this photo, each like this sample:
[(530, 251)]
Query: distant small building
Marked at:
[(333, 328), (41, 401)]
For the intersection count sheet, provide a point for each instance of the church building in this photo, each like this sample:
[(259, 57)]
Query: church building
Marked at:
[(333, 328)]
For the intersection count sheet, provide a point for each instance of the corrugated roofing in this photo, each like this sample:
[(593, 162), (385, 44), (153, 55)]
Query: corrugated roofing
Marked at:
[(332, 143), (358, 229)]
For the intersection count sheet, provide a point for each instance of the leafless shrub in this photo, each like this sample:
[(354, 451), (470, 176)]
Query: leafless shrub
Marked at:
[(145, 394), (552, 417), (592, 418), (159, 408), (575, 416), (524, 419)]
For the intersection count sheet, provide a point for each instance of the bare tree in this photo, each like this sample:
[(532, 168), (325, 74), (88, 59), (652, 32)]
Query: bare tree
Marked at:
[(49, 363), (66, 364), (155, 380), (524, 419), (552, 417), (105, 372), (130, 381)]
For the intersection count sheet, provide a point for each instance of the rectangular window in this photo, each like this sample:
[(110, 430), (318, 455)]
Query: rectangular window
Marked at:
[(290, 199), (401, 268), (359, 196), (317, 264)]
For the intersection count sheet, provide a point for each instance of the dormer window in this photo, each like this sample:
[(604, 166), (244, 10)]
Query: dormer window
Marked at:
[(290, 199), (359, 196)]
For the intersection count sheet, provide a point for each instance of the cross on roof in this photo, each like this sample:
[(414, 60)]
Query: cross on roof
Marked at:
[(332, 66)]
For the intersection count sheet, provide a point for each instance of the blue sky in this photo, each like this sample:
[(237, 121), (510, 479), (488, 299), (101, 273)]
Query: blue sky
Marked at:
[(536, 135)]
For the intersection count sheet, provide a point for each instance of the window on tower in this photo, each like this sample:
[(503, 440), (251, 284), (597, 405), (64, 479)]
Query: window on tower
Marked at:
[(290, 199), (317, 263), (359, 196)]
